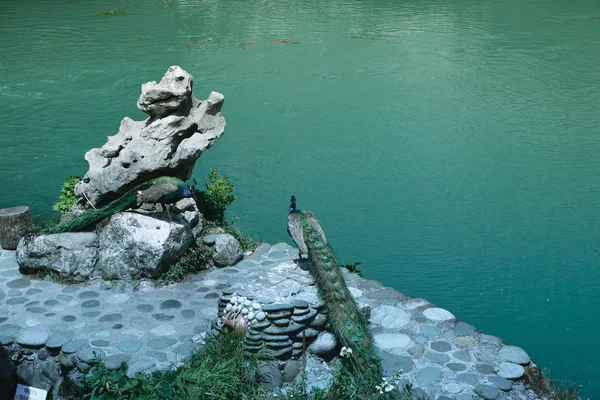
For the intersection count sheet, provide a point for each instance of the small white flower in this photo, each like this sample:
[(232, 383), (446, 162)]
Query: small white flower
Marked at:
[(389, 388), (345, 351)]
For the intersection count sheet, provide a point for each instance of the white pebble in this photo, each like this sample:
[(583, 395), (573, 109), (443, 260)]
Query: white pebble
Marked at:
[(244, 311), (256, 306), (228, 307), (251, 315), (260, 316), (233, 299), (247, 303)]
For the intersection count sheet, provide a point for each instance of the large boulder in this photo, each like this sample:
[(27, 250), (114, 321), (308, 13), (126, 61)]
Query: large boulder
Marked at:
[(168, 143), (72, 254), (228, 250), (134, 246)]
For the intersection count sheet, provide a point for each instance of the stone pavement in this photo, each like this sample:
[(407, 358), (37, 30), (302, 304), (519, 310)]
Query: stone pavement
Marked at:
[(156, 328)]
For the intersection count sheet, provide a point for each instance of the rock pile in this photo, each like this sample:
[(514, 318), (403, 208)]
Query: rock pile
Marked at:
[(283, 330)]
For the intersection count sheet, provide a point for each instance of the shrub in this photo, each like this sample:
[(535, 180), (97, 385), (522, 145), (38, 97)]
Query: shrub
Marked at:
[(217, 196), (194, 259), (67, 195)]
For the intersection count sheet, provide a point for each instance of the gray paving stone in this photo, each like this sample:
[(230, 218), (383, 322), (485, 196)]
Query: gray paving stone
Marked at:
[(428, 376), (514, 354), (14, 293), (464, 329), (6, 340), (203, 290), (212, 295), (90, 304), (2, 294), (417, 350), (3, 319), (100, 343), (90, 355), (74, 346), (130, 345), (510, 371), (51, 303), (484, 369), (9, 329), (157, 355), (421, 339), (69, 318), (488, 392), (161, 343), (43, 284), (469, 379), (440, 358), (456, 366), (145, 307), (462, 355), (32, 291), (110, 318), (36, 310), (466, 396), (114, 361), (32, 303), (275, 307), (117, 326), (162, 317), (16, 301), (90, 314), (500, 382), (170, 304), (59, 339), (188, 314), (64, 297), (18, 283), (32, 337), (88, 294), (71, 289), (430, 331), (441, 346)]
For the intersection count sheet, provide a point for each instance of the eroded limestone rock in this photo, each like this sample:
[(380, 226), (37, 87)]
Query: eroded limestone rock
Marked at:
[(134, 246), (72, 254), (168, 143)]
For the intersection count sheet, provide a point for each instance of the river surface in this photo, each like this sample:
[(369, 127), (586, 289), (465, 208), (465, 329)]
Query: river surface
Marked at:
[(452, 147)]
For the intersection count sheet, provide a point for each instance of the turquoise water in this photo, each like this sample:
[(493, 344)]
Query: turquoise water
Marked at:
[(451, 147)]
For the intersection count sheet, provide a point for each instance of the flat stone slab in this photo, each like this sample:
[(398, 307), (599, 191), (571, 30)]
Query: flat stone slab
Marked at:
[(510, 371), (32, 338), (390, 317), (514, 354), (438, 314), (392, 340)]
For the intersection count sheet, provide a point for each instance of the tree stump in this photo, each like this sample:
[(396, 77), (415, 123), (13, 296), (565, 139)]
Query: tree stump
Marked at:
[(14, 223)]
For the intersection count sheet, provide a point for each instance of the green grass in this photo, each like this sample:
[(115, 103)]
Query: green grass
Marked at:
[(543, 384), (219, 370)]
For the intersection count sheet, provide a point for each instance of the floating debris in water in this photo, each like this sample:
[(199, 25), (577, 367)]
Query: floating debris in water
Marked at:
[(110, 12), (284, 41)]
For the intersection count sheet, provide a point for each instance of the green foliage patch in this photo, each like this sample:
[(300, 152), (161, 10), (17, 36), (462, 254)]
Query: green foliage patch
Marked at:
[(195, 259), (216, 196), (67, 195)]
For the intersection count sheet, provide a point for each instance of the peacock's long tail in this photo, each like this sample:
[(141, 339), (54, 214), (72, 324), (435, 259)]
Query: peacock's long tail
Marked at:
[(92, 216), (349, 323)]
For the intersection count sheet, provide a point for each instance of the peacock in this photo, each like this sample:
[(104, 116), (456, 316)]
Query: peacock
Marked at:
[(349, 324), (162, 190)]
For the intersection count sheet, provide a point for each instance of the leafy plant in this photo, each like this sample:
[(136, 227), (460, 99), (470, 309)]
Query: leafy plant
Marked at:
[(195, 259), (354, 268), (67, 195), (217, 196)]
